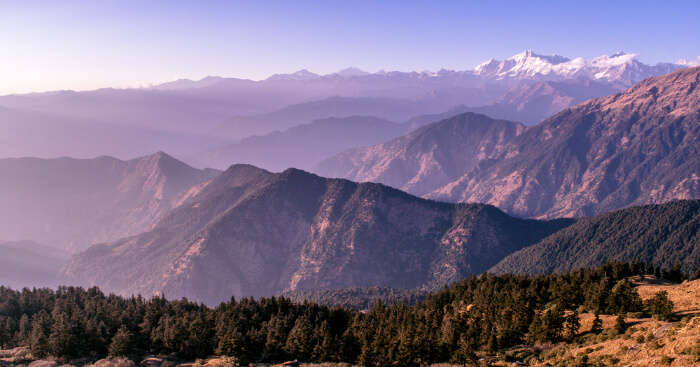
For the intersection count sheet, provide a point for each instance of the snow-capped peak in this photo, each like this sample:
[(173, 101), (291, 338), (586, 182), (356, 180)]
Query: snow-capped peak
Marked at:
[(618, 58), (619, 67), (529, 54)]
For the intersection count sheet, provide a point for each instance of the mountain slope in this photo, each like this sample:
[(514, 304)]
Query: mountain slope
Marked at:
[(428, 158), (72, 203), (532, 102), (303, 146), (29, 264), (254, 233), (635, 147), (654, 234)]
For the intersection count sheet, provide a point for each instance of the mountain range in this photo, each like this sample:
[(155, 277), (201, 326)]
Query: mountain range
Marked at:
[(187, 118), (302, 146), (156, 225), (428, 158), (619, 68), (255, 233), (634, 147), (73, 203)]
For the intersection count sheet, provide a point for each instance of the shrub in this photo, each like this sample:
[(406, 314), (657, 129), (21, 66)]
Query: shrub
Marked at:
[(666, 360)]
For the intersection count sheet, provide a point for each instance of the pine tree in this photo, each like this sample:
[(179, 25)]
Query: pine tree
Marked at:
[(325, 351), (492, 344), (24, 330), (536, 331), (62, 339), (465, 352), (572, 324), (620, 324), (39, 338), (299, 343), (597, 326), (122, 343), (5, 334), (553, 321), (660, 306)]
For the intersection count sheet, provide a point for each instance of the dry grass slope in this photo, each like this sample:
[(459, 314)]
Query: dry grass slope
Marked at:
[(647, 342)]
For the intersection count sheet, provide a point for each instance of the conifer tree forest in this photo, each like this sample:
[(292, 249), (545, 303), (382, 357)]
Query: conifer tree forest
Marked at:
[(484, 313)]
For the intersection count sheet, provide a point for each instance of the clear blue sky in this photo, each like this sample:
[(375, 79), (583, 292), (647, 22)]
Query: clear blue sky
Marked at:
[(48, 45)]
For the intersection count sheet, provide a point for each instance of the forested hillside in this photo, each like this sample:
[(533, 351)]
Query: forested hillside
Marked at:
[(478, 315), (358, 298), (663, 235)]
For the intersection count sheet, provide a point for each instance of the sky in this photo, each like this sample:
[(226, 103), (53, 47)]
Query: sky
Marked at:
[(67, 44)]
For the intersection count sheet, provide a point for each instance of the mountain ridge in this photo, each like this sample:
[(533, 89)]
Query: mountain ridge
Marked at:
[(657, 234), (252, 232), (638, 146), (427, 158), (633, 147), (72, 203)]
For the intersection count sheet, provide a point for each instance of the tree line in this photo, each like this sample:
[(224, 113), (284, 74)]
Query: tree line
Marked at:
[(481, 313)]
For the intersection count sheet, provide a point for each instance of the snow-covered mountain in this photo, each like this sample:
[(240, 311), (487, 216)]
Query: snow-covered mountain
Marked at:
[(620, 67)]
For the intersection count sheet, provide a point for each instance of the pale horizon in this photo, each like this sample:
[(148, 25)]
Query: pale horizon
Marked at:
[(81, 45)]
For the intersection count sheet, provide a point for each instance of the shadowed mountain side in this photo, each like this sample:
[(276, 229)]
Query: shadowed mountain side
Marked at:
[(254, 233), (662, 235)]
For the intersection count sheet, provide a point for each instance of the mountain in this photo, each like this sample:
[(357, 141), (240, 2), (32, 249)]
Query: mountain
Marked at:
[(303, 146), (253, 233), (532, 102), (428, 158), (654, 234), (72, 203), (620, 68), (340, 107), (528, 102), (29, 264), (185, 117), (635, 147)]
